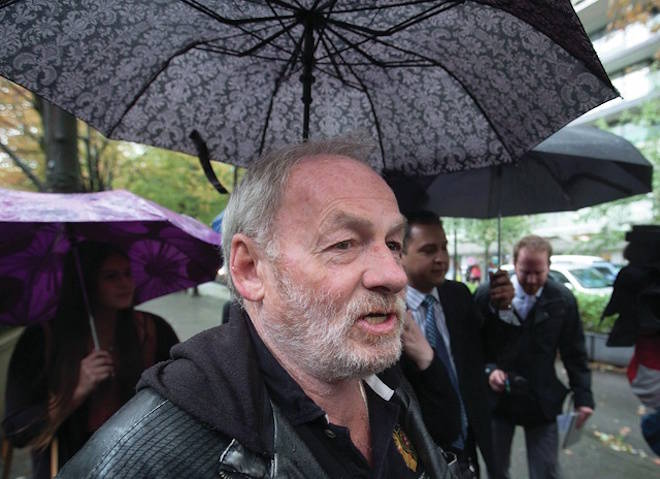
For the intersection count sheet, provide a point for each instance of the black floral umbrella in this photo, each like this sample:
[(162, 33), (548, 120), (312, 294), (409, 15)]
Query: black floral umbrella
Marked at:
[(443, 85)]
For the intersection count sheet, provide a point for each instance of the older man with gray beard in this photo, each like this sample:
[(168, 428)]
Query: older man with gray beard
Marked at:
[(302, 384)]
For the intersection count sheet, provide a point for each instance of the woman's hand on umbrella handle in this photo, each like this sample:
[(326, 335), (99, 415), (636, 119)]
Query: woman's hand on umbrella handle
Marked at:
[(95, 368)]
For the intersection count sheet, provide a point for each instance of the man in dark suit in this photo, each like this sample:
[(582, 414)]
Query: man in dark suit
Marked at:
[(522, 348), (450, 323)]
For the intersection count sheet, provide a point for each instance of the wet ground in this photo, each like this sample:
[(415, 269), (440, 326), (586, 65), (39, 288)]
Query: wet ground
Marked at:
[(611, 446)]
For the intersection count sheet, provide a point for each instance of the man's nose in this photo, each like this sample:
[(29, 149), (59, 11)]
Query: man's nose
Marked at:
[(383, 271)]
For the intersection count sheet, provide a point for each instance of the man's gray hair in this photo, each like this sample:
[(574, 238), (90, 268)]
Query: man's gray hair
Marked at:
[(254, 203)]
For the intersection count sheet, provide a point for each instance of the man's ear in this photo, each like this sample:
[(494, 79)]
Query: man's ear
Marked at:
[(244, 268)]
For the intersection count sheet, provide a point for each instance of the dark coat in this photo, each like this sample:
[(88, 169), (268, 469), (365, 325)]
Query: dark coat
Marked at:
[(27, 395), (464, 323), (552, 325), (207, 413)]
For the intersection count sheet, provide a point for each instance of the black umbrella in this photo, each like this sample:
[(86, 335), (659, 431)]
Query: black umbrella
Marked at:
[(576, 167), (443, 85)]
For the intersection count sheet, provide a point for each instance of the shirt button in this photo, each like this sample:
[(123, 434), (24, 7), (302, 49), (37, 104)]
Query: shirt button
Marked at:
[(330, 433)]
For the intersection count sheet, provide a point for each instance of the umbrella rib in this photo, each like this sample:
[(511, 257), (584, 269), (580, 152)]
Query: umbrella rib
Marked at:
[(278, 83), (433, 62), (334, 64), (281, 22), (373, 110), (591, 176), (266, 41), (371, 35), (431, 12), (232, 22), (149, 82)]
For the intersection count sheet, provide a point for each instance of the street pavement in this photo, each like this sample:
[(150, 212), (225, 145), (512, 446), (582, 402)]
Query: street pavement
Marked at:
[(611, 446)]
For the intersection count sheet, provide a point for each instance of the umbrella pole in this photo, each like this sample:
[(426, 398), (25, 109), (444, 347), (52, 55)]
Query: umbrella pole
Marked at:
[(498, 187), (92, 323), (499, 241), (307, 78)]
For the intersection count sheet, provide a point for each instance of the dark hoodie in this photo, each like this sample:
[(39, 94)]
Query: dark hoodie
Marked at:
[(215, 377)]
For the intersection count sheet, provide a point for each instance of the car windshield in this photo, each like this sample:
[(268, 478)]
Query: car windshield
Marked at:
[(590, 278), (607, 272)]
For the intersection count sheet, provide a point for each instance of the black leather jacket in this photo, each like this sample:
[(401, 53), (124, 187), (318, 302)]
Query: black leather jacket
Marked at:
[(180, 422), (151, 437)]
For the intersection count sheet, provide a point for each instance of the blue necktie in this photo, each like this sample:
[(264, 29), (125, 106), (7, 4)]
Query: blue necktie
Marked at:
[(437, 342)]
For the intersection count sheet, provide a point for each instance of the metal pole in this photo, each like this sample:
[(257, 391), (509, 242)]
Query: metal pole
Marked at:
[(455, 251), (307, 78), (498, 185), (499, 240), (90, 316)]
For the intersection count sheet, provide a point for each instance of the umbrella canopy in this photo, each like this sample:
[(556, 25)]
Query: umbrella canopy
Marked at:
[(167, 251), (576, 167), (443, 85)]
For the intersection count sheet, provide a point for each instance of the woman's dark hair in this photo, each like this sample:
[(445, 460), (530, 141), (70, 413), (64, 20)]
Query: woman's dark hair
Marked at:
[(68, 334)]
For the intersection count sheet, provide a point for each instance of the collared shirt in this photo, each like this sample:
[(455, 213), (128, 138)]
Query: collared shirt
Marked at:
[(523, 302), (393, 456), (414, 300)]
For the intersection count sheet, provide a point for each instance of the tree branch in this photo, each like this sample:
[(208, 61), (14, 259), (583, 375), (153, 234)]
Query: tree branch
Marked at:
[(24, 168)]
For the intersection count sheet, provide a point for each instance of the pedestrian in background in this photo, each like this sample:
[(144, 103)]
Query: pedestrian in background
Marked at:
[(521, 348), (636, 300), (59, 388)]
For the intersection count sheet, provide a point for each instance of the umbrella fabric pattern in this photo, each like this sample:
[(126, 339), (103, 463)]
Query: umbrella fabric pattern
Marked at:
[(443, 85), (167, 251)]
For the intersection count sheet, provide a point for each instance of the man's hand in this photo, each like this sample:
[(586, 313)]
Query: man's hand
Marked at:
[(501, 290), (584, 413), (497, 380), (415, 344)]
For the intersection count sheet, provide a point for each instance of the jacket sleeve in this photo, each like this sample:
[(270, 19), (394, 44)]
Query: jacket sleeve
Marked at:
[(437, 399), (490, 328), (573, 352), (26, 396)]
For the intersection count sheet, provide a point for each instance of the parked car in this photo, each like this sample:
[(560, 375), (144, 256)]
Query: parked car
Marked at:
[(580, 278), (606, 268)]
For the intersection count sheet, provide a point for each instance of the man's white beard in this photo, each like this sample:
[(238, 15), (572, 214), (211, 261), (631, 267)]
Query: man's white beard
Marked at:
[(323, 340)]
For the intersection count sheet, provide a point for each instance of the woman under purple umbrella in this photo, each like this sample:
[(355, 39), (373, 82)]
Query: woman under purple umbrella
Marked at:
[(60, 389)]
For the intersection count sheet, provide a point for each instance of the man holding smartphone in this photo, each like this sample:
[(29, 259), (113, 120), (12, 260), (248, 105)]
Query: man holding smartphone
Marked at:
[(450, 325)]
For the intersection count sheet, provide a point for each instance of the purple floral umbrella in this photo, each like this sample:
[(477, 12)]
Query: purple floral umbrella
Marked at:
[(168, 251)]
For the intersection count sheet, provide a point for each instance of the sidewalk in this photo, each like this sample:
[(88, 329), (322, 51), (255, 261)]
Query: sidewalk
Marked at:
[(189, 314), (611, 446)]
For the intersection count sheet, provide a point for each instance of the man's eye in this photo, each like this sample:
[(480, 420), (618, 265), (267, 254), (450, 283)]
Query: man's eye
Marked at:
[(342, 245), (394, 246)]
